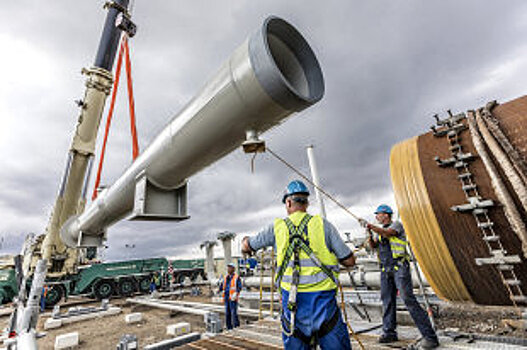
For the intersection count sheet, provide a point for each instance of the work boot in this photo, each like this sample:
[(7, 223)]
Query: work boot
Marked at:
[(426, 343), (385, 338)]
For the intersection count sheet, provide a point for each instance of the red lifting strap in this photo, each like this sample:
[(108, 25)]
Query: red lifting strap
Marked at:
[(135, 146)]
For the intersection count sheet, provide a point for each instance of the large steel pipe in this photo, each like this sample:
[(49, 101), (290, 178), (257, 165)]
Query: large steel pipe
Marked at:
[(271, 75), (463, 207)]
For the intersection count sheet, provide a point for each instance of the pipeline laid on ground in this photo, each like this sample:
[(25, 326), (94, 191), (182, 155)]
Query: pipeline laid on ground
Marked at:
[(359, 278), (191, 307), (460, 191)]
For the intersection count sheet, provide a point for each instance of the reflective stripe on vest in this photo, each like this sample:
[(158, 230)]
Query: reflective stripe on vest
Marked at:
[(232, 288), (310, 263), (398, 247), (312, 278)]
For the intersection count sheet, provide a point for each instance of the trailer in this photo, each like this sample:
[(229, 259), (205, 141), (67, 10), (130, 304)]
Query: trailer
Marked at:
[(108, 280)]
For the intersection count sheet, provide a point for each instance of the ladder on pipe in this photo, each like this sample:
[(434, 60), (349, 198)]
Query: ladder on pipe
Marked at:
[(452, 127)]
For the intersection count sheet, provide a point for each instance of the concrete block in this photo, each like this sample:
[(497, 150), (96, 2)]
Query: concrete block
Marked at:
[(66, 341), (52, 323), (133, 318), (113, 310), (177, 329)]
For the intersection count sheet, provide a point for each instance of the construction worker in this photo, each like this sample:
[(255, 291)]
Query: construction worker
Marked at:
[(231, 288), (308, 281), (395, 276), (154, 282), (43, 297)]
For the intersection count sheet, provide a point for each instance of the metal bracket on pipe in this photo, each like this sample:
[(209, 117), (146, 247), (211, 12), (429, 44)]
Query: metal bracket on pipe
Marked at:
[(474, 203), (457, 160), (252, 143), (498, 258), (451, 120), (153, 203), (456, 128), (89, 240), (448, 125)]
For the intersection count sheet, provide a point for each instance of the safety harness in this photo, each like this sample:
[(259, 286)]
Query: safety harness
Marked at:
[(298, 240)]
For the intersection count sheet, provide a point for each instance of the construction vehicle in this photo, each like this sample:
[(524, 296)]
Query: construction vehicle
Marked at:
[(106, 280), (123, 278), (8, 285)]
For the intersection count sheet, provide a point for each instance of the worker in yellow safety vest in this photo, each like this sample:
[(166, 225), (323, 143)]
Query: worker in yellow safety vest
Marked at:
[(231, 288), (309, 250), (390, 241)]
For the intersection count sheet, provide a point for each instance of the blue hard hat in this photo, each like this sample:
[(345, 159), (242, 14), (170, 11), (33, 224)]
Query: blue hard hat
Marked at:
[(383, 208), (295, 187)]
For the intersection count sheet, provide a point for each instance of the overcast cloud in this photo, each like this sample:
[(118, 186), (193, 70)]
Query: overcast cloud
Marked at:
[(388, 66)]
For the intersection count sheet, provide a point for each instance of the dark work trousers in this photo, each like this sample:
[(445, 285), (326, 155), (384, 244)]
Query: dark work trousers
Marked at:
[(231, 314), (401, 279)]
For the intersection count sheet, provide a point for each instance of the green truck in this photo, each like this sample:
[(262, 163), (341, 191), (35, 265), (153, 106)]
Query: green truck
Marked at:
[(107, 280), (8, 285)]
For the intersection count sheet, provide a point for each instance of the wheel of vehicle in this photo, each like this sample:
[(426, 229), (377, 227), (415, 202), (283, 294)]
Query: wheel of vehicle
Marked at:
[(103, 289), (144, 285), (127, 286), (180, 278), (54, 295), (194, 276)]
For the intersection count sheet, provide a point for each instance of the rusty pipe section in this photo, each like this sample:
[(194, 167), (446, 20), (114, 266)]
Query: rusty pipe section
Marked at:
[(273, 74)]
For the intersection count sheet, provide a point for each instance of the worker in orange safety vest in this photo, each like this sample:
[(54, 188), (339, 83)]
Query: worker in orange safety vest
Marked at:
[(231, 288)]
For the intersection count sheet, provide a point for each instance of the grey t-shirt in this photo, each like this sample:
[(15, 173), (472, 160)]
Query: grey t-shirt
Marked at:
[(334, 242)]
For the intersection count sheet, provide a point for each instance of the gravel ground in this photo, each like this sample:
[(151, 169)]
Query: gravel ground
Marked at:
[(104, 333), (479, 319)]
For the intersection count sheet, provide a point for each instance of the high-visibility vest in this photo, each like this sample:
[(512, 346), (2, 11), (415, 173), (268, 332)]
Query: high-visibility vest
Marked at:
[(398, 249), (312, 278), (232, 288)]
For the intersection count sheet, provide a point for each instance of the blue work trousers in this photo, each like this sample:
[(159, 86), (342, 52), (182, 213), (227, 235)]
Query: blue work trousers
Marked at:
[(313, 310), (231, 314), (401, 279), (337, 339)]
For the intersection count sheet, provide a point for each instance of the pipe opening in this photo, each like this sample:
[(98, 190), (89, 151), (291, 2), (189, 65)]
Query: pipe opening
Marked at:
[(285, 65)]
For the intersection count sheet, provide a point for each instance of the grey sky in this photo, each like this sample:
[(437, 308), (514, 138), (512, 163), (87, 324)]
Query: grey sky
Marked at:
[(388, 66)]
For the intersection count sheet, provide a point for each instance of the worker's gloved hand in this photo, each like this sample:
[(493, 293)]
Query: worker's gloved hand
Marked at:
[(234, 296), (363, 223), (246, 247)]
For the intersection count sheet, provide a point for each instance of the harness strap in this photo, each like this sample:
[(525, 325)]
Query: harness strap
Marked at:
[(293, 233), (324, 330)]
